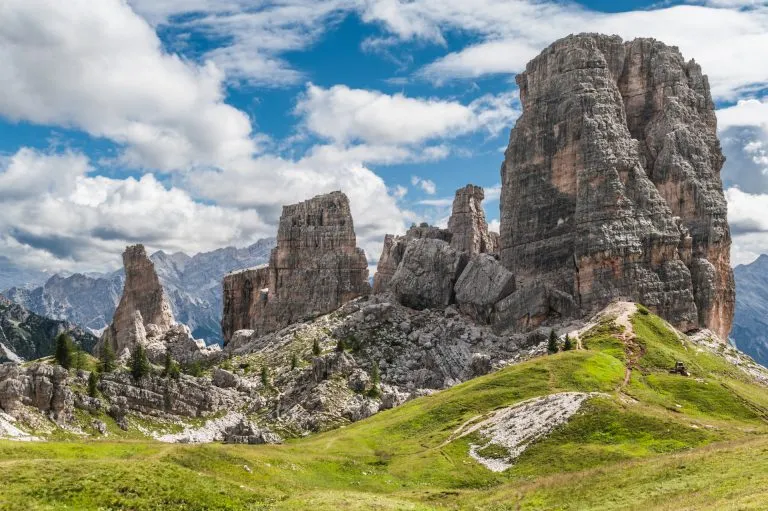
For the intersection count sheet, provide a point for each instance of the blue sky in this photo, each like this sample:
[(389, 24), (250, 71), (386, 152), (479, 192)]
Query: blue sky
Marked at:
[(186, 124)]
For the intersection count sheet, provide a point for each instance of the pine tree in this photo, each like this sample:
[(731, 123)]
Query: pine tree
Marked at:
[(265, 377), (340, 347), (93, 381), (375, 381), (567, 346), (63, 354), (78, 358), (168, 364), (294, 361), (139, 364), (316, 348), (375, 374), (107, 359), (552, 344)]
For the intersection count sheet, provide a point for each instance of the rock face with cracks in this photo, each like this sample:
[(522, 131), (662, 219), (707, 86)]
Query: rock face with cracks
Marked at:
[(315, 268), (143, 303), (467, 234), (611, 185), (144, 318)]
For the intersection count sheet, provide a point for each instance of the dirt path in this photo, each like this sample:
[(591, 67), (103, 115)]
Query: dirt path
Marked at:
[(621, 312)]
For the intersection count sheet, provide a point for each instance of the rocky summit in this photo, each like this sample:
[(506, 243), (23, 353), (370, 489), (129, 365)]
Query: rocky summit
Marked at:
[(314, 269), (611, 185)]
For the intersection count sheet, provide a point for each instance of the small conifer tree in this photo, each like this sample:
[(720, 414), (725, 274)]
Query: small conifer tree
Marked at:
[(78, 358), (139, 363), (375, 381), (340, 346), (265, 376), (93, 381), (375, 374), (294, 361), (63, 353), (316, 348), (552, 344), (107, 359), (568, 345), (168, 364)]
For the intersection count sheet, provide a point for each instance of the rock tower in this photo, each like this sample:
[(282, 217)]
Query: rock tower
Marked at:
[(314, 269), (611, 182), (142, 304)]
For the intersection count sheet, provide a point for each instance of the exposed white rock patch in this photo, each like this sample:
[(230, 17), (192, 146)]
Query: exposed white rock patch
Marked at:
[(515, 428), (212, 431), (10, 432), (709, 341)]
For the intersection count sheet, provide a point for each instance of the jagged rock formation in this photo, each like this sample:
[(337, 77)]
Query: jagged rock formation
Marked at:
[(245, 294), (467, 223), (611, 187), (426, 275), (315, 268), (192, 285), (142, 304), (25, 335), (467, 234), (41, 386), (144, 317)]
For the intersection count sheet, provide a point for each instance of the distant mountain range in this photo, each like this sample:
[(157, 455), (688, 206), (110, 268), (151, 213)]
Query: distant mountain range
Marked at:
[(750, 323), (192, 283), (26, 335)]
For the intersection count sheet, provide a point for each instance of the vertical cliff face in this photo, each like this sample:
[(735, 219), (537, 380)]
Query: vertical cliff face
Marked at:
[(142, 304), (315, 268), (610, 184), (245, 295)]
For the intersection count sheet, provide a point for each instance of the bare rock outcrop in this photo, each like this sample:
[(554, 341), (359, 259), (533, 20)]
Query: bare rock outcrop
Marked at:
[(144, 317), (467, 233), (41, 386), (467, 223), (245, 294), (314, 269), (611, 186), (427, 274), (143, 303), (483, 283)]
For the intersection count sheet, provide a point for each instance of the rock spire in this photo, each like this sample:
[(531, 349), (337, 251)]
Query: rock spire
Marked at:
[(142, 304)]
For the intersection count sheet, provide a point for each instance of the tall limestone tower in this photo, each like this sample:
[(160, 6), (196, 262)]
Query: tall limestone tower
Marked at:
[(611, 182)]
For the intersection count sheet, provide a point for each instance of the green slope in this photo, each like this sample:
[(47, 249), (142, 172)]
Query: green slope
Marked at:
[(653, 440)]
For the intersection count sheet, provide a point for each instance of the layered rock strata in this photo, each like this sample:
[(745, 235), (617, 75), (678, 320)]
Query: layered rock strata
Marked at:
[(315, 268), (611, 186)]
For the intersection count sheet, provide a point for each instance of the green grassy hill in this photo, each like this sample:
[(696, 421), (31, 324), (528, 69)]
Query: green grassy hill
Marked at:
[(649, 440)]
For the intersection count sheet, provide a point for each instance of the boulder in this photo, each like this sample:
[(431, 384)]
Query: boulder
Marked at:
[(482, 284), (427, 274)]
